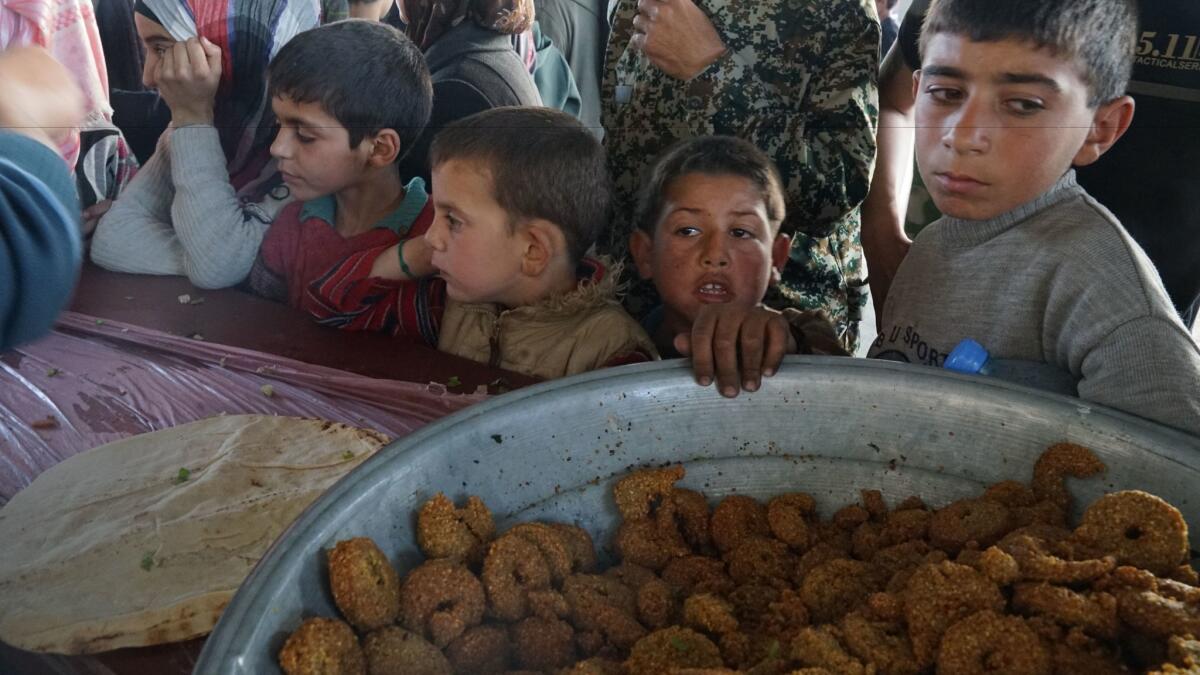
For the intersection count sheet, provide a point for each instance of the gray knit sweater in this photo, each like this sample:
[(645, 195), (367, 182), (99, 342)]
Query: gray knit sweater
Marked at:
[(1056, 281), (181, 216)]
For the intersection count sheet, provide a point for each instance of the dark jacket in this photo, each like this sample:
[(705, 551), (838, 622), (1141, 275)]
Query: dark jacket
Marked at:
[(474, 69)]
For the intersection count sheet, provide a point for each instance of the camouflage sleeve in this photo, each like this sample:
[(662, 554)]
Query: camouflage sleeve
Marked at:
[(799, 81)]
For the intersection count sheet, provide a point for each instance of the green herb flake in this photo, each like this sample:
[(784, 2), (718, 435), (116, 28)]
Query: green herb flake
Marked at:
[(347, 455), (267, 390), (773, 651), (53, 372), (498, 438), (99, 322), (183, 475), (679, 644), (147, 561), (453, 381)]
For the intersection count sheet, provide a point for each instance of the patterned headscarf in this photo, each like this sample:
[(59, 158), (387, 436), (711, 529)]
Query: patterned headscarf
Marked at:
[(428, 20), (249, 33), (67, 29)]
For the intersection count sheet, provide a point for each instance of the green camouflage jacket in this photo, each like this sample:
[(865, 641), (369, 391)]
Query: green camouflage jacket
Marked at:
[(799, 81)]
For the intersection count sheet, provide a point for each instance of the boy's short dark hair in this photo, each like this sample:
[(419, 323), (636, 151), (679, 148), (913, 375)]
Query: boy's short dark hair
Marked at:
[(543, 163), (1099, 35), (714, 156), (365, 74)]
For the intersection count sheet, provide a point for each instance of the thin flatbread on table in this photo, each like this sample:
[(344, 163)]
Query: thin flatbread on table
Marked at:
[(144, 540)]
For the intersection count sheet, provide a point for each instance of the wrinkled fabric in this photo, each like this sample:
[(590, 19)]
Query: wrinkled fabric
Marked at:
[(799, 81), (102, 381)]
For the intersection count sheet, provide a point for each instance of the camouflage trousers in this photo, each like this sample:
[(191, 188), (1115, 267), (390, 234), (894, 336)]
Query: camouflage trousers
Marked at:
[(829, 274)]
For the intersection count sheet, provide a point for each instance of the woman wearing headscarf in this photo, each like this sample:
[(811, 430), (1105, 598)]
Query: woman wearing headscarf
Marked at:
[(469, 49), (201, 205), (98, 154), (138, 112)]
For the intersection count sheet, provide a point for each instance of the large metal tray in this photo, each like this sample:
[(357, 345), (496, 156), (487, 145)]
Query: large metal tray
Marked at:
[(826, 426)]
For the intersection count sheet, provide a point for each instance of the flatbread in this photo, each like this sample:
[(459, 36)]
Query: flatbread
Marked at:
[(112, 548)]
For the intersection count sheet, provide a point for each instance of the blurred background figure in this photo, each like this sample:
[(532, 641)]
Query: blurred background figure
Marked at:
[(40, 110), (469, 48), (371, 10), (96, 151), (887, 24), (580, 31)]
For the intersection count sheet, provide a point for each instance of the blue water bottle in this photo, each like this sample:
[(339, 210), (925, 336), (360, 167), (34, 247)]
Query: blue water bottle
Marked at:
[(968, 357)]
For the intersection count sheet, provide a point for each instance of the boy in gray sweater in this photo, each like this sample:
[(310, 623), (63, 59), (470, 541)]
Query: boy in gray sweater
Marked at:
[(1010, 96)]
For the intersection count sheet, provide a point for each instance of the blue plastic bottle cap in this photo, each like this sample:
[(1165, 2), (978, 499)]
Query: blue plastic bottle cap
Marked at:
[(967, 357)]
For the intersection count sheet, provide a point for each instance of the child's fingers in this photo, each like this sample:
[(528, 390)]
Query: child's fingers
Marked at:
[(683, 344), (752, 344), (725, 356), (702, 348), (777, 333)]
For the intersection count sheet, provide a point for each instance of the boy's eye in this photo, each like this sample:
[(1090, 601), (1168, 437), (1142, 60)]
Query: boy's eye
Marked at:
[(1023, 106), (741, 233), (453, 223), (944, 94), (686, 231)]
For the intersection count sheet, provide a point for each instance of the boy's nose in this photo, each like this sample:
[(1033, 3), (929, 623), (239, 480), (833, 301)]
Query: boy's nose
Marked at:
[(279, 146), (433, 236), (970, 131), (715, 253)]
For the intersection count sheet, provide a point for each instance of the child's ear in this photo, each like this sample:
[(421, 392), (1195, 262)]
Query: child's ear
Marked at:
[(543, 242), (1109, 123), (641, 247), (385, 148), (780, 248)]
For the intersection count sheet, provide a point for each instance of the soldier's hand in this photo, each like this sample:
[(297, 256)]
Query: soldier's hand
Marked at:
[(676, 36), (724, 335)]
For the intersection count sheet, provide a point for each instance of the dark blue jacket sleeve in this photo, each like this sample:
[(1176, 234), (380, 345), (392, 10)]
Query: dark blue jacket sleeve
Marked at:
[(40, 248)]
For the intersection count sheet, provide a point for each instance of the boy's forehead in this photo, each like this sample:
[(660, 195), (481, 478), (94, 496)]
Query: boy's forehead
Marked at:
[(747, 200), (997, 59), (474, 171), (472, 180), (310, 113)]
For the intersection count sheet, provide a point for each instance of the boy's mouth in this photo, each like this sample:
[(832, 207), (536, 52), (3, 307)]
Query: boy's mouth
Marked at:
[(958, 182), (713, 292)]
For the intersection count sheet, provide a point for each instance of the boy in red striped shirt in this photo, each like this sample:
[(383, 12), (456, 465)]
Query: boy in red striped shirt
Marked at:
[(351, 98)]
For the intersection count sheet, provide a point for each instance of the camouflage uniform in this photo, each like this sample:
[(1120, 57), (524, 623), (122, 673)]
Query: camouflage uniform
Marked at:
[(799, 81)]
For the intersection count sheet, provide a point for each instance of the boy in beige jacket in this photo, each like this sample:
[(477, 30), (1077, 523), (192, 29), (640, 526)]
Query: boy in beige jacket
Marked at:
[(500, 277)]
